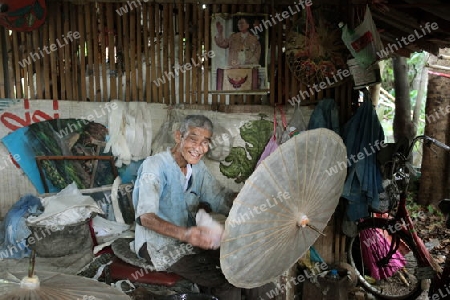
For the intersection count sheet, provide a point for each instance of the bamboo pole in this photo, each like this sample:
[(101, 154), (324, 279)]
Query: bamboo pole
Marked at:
[(120, 54), (181, 61), (57, 67), (65, 56), (82, 49), (139, 36), (171, 54), (46, 62), (3, 78), (126, 54), (207, 43), (90, 52), (103, 34), (159, 47), (97, 29), (111, 53), (197, 60), (153, 57), (146, 80), (189, 28), (30, 72), (73, 47), (36, 45), (195, 48), (133, 39), (20, 89)]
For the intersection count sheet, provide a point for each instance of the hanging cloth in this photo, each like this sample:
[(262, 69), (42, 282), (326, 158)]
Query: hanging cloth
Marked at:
[(23, 15), (361, 135), (325, 115)]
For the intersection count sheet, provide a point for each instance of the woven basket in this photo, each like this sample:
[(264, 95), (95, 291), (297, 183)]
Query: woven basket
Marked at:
[(57, 243), (314, 57)]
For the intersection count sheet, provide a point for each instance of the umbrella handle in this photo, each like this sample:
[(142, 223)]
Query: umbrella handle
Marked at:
[(31, 263), (315, 229), (304, 222)]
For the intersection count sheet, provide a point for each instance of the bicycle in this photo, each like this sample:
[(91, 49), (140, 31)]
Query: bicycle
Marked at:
[(389, 258)]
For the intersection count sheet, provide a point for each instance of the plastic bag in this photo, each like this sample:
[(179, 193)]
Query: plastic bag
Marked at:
[(164, 137), (67, 207), (221, 143), (296, 125), (216, 229), (364, 41)]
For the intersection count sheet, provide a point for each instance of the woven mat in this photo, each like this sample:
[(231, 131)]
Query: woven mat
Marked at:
[(121, 248)]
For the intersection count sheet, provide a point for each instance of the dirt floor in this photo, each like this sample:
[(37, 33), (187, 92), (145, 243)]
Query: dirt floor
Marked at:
[(430, 226)]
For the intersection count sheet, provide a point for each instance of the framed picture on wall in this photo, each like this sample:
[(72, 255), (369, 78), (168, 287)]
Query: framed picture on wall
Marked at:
[(240, 46)]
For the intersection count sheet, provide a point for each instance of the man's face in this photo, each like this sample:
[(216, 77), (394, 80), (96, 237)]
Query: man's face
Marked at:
[(194, 144), (243, 25)]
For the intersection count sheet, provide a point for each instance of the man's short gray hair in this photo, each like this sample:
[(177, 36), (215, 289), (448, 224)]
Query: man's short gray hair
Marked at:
[(196, 121)]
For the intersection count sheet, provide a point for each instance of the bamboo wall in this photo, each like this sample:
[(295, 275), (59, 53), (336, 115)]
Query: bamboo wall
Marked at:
[(149, 40)]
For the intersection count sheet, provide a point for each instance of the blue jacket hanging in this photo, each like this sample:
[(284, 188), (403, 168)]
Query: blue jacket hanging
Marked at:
[(325, 115), (363, 137)]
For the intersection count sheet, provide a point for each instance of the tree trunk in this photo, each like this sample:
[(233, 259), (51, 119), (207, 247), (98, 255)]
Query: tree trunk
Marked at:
[(433, 182), (403, 126), (421, 86)]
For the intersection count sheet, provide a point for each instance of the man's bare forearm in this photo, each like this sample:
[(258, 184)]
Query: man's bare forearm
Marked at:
[(196, 236), (155, 223)]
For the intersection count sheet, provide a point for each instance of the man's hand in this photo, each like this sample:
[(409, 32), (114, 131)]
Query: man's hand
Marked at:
[(199, 236)]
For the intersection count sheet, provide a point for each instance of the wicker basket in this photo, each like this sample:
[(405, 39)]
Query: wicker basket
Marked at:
[(49, 242), (316, 55)]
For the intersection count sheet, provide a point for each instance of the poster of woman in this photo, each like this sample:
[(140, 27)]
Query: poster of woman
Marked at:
[(240, 46)]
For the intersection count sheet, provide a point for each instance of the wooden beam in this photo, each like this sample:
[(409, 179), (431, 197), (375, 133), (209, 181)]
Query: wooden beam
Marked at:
[(438, 67)]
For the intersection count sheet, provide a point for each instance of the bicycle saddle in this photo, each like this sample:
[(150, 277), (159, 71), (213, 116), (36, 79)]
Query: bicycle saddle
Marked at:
[(444, 206)]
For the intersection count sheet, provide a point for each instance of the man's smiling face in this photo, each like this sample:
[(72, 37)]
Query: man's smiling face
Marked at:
[(193, 145)]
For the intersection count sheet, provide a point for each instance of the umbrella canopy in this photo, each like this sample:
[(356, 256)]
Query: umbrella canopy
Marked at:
[(283, 207), (51, 285)]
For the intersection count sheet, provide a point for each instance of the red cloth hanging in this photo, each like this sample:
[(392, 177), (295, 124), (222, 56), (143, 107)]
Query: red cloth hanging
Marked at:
[(23, 15)]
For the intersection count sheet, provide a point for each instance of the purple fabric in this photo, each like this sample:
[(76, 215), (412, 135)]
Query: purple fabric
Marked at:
[(271, 146), (374, 246)]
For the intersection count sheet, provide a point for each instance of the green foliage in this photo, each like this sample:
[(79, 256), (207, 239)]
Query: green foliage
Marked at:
[(241, 161)]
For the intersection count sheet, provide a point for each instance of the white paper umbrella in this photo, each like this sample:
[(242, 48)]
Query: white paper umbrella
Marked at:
[(54, 286), (282, 207)]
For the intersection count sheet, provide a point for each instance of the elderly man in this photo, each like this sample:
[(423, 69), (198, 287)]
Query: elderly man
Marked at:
[(168, 191)]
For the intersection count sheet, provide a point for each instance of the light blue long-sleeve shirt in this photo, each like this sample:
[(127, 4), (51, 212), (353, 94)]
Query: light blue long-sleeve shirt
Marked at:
[(160, 189)]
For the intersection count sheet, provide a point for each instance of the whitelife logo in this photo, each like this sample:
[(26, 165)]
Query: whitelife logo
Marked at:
[(281, 17), (405, 41), (69, 37)]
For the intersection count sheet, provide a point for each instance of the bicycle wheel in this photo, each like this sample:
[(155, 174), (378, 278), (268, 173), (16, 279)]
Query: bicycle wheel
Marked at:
[(387, 276)]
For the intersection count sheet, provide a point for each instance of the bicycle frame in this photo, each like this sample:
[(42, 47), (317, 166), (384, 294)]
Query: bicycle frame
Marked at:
[(403, 222)]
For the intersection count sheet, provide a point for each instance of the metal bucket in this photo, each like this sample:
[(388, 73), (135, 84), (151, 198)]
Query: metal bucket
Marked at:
[(50, 241)]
